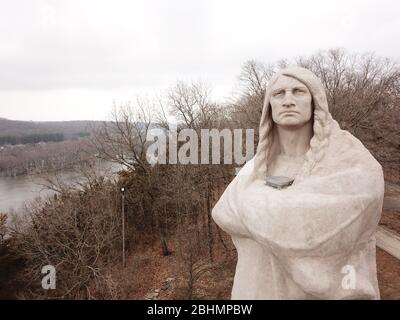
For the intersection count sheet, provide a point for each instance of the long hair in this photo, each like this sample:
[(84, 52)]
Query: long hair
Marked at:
[(321, 124)]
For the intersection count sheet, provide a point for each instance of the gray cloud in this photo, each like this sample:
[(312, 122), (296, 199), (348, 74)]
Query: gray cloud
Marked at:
[(104, 46)]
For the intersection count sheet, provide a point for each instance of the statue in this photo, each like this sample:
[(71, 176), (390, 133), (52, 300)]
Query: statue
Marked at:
[(303, 212)]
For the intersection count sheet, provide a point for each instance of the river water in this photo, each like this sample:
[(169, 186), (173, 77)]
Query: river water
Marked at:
[(15, 192)]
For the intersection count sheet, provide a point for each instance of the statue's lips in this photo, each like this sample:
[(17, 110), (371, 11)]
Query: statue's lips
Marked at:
[(289, 113)]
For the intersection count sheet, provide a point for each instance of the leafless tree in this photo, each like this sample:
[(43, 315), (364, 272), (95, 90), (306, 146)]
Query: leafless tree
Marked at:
[(358, 86), (123, 139)]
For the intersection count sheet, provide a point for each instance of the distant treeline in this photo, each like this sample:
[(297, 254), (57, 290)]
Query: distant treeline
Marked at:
[(35, 138), (32, 138), (33, 158)]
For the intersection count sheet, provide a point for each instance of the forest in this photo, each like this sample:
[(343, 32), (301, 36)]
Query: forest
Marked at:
[(174, 250)]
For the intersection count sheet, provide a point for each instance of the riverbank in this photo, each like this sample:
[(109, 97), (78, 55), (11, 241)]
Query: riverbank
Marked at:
[(16, 191)]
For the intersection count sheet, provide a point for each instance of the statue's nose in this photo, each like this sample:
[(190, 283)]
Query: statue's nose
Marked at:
[(288, 101)]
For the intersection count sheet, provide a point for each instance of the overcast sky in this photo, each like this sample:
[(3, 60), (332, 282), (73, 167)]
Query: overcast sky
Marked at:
[(67, 59)]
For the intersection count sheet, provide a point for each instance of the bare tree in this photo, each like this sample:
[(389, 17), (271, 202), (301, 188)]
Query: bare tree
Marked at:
[(123, 139), (357, 86), (246, 106)]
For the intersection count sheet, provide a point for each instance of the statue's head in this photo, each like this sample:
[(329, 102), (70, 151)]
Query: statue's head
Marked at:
[(294, 97), (291, 102)]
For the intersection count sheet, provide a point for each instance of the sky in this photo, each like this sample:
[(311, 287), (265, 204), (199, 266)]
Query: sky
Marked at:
[(71, 60)]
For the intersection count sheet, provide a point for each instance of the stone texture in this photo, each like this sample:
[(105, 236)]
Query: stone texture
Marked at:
[(299, 242)]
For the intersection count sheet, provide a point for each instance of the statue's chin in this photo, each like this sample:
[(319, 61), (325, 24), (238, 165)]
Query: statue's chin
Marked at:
[(291, 124)]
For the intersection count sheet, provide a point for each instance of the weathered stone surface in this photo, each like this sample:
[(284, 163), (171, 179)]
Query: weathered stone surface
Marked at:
[(314, 239)]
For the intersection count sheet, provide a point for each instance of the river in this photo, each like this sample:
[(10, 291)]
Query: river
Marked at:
[(15, 192)]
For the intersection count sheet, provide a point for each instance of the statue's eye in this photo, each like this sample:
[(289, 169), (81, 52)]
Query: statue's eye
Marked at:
[(278, 93), (298, 91)]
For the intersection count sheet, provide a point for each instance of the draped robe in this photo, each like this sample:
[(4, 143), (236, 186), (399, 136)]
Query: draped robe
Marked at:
[(301, 242)]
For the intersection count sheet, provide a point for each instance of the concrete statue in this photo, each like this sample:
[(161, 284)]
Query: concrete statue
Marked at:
[(303, 212)]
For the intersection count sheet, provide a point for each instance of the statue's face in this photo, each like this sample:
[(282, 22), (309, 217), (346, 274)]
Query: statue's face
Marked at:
[(291, 102)]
